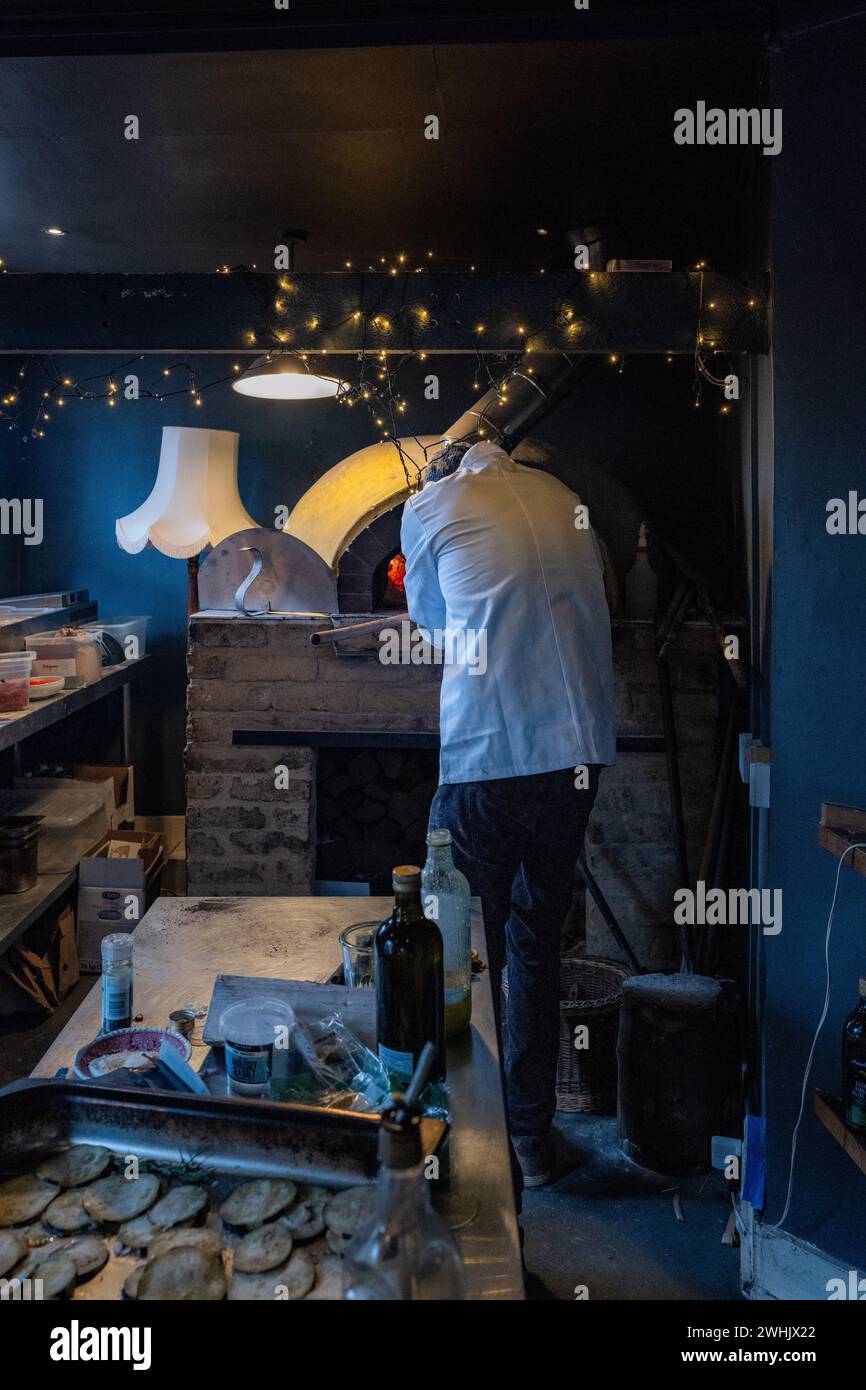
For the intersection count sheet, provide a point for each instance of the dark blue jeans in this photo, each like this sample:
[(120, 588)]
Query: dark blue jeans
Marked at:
[(517, 840)]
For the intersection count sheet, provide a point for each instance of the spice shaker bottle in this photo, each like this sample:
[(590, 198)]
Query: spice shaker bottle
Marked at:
[(116, 981)]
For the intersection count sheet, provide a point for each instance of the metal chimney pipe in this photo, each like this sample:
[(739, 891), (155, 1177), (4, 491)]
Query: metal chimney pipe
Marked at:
[(537, 384)]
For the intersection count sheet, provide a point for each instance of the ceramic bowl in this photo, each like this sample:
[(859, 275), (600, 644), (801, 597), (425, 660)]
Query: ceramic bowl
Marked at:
[(126, 1040)]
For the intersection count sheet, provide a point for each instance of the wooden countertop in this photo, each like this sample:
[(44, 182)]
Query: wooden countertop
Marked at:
[(181, 944)]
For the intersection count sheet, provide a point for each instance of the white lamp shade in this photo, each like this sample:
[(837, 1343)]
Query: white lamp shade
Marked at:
[(195, 500), (285, 377)]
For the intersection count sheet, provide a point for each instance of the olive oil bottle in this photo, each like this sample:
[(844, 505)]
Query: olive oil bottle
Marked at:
[(409, 983)]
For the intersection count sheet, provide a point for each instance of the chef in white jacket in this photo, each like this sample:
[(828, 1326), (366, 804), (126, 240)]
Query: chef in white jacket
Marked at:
[(504, 575)]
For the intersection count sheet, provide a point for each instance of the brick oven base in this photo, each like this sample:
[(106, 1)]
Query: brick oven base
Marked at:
[(252, 814)]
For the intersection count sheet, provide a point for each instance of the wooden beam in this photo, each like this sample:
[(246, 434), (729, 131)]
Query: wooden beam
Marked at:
[(164, 26), (583, 312), (831, 1113), (839, 829)]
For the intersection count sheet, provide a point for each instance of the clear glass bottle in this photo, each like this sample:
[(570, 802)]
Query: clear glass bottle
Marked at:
[(641, 582), (116, 981), (446, 898), (405, 1252)]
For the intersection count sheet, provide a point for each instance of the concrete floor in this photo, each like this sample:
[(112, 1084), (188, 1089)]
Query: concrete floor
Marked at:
[(604, 1223), (610, 1226)]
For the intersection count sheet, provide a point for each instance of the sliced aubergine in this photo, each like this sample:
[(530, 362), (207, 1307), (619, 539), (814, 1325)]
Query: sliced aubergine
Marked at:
[(181, 1203), (118, 1199), (263, 1249), (12, 1249), (75, 1167), (88, 1253), (22, 1199), (346, 1212), (329, 1279), (306, 1220), (197, 1238), (138, 1233), (338, 1244), (66, 1213), (55, 1278), (183, 1274), (253, 1203), (291, 1280)]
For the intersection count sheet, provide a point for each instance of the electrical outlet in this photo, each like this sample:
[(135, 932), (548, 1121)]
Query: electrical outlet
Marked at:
[(723, 1149)]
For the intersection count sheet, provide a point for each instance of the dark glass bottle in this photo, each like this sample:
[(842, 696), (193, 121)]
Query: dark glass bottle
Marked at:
[(854, 1064), (410, 994)]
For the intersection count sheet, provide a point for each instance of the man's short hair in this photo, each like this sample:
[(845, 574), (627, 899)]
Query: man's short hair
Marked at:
[(447, 461)]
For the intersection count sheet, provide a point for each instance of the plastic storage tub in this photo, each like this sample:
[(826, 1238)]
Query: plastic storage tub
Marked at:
[(130, 632), (73, 818), (74, 657), (15, 672)]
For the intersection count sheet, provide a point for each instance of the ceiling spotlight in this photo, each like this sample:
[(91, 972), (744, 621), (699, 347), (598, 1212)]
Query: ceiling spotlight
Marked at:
[(541, 231), (284, 378), (54, 231)]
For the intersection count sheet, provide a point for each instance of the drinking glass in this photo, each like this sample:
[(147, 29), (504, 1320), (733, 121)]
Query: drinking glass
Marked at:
[(359, 954)]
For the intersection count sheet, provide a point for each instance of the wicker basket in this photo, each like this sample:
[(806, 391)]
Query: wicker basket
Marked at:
[(591, 994)]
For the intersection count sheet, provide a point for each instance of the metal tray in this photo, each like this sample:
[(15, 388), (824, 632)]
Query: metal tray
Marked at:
[(250, 1138), (227, 1137)]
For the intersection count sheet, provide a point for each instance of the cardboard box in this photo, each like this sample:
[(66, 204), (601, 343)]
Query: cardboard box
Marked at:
[(96, 870), (122, 780), (171, 828), (113, 893), (40, 969), (67, 968)]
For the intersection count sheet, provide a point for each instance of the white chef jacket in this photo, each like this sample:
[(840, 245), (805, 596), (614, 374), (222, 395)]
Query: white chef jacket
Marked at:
[(494, 549)]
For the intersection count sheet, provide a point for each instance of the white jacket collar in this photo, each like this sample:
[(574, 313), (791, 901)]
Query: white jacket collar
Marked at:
[(482, 456)]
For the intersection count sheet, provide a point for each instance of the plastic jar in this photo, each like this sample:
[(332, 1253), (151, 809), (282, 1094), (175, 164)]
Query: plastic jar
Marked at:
[(15, 668), (256, 1034), (74, 656)]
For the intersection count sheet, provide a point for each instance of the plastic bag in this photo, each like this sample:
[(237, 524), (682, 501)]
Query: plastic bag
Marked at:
[(339, 1070), (336, 1069)]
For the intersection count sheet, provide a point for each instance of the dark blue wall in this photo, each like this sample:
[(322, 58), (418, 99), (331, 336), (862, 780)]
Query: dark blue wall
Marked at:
[(818, 675), (10, 546), (97, 463)]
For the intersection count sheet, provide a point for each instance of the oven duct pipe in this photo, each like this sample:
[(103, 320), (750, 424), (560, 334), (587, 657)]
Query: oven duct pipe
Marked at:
[(537, 384), (345, 500)]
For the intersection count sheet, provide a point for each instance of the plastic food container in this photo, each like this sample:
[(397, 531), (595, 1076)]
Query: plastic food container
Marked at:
[(43, 686), (15, 671), (256, 1033), (72, 815), (74, 657), (130, 632), (19, 837)]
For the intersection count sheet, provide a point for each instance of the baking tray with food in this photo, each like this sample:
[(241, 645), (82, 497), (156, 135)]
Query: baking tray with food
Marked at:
[(108, 1192)]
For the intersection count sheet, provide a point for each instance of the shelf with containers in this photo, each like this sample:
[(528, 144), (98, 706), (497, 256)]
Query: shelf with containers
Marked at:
[(18, 911)]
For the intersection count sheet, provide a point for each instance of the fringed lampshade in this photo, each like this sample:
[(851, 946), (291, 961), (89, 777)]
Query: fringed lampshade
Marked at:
[(195, 500)]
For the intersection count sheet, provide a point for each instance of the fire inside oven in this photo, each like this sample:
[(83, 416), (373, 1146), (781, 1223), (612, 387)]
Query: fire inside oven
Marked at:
[(389, 582), (395, 582)]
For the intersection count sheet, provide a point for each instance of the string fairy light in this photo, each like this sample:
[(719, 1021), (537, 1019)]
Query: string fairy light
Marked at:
[(283, 315)]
